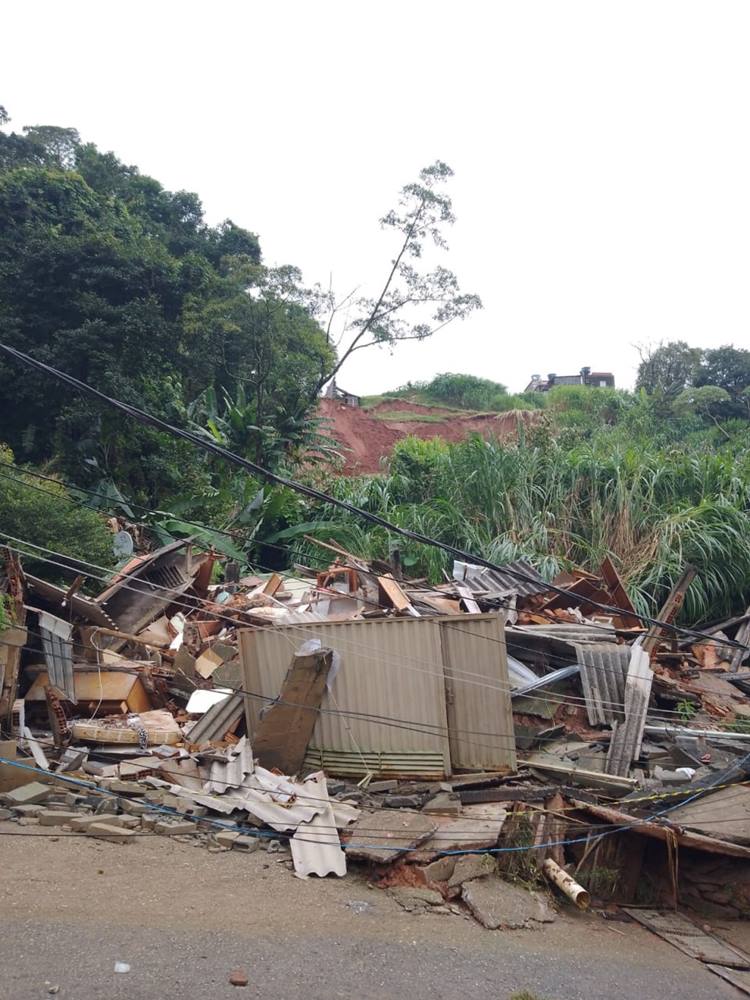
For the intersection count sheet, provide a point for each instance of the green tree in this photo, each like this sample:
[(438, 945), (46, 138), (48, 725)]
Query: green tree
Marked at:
[(414, 301), (52, 518), (467, 391), (669, 369), (114, 279), (705, 400), (728, 368)]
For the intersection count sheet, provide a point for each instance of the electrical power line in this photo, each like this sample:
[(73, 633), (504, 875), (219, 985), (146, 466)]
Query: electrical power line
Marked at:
[(205, 444), (309, 629)]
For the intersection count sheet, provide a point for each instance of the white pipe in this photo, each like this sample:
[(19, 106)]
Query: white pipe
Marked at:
[(566, 883)]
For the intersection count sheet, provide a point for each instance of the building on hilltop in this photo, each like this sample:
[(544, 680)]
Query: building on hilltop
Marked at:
[(598, 380), (332, 391)]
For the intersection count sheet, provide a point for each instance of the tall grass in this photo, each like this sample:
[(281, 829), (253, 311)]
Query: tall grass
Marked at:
[(652, 510)]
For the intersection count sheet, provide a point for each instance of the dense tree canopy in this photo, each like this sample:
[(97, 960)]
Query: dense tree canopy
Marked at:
[(109, 276), (671, 368)]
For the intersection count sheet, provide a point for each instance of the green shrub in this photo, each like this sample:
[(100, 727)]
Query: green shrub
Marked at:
[(45, 514)]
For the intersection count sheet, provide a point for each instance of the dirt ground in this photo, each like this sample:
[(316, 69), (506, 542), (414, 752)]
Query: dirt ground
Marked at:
[(184, 918), (366, 438)]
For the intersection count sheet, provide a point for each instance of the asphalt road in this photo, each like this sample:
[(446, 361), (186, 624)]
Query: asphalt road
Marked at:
[(183, 919)]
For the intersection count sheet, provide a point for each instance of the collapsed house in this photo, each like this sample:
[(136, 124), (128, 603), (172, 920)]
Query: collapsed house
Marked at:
[(443, 735)]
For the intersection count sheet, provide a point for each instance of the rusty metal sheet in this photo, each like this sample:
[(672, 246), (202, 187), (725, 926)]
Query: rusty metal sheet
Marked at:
[(54, 599)]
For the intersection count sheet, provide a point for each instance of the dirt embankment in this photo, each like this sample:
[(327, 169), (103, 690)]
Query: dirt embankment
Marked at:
[(366, 437)]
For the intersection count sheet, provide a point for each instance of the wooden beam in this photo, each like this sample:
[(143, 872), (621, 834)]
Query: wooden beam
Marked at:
[(285, 730), (663, 831), (670, 608)]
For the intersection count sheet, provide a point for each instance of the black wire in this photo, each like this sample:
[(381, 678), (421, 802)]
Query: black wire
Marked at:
[(308, 628), (706, 637), (149, 420)]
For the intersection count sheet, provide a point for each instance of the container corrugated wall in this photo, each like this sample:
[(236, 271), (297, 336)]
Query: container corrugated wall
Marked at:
[(480, 714), (391, 688), (371, 681)]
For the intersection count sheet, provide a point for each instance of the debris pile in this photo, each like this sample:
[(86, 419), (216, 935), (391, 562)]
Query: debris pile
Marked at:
[(464, 741)]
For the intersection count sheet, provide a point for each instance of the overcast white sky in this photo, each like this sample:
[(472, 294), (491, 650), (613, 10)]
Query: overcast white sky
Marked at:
[(601, 150)]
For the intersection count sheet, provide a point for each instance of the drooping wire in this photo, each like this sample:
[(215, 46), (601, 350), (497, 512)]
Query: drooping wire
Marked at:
[(205, 444)]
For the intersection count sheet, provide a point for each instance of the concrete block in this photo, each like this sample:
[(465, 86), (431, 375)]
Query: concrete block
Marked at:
[(191, 808), (444, 804), (403, 801), (161, 798), (246, 844), (82, 823), (150, 819), (56, 817), (471, 866), (28, 810), (394, 832), (440, 870), (383, 786), (495, 903), (114, 834), (133, 807), (126, 787), (174, 827), (29, 794), (73, 801), (226, 838)]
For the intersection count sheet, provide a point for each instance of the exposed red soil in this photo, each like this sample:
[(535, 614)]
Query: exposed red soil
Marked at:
[(367, 440)]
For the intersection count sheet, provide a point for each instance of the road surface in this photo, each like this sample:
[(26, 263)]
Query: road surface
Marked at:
[(183, 918)]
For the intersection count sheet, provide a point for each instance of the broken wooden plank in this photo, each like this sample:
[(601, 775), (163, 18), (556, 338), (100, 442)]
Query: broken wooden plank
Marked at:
[(616, 587), (534, 793), (284, 731), (272, 584), (742, 635), (662, 830), (689, 938), (669, 609), (740, 978), (467, 597), (396, 596), (578, 776)]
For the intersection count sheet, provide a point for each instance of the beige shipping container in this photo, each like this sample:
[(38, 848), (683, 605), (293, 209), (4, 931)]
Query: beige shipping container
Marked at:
[(408, 696)]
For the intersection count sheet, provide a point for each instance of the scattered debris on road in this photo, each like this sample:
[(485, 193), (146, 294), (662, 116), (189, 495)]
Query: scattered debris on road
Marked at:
[(492, 745)]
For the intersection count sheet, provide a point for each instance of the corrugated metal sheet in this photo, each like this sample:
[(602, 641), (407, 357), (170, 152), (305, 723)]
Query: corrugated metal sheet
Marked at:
[(232, 769), (604, 667), (387, 702), (407, 764), (480, 716), (58, 653), (370, 684), (496, 583), (603, 663), (541, 683), (217, 720), (316, 848), (567, 632)]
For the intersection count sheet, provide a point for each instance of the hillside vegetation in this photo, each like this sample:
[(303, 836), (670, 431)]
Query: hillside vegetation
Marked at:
[(106, 274), (654, 479), (463, 392)]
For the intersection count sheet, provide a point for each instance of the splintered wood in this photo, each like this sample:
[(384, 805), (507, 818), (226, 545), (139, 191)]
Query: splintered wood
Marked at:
[(284, 732)]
